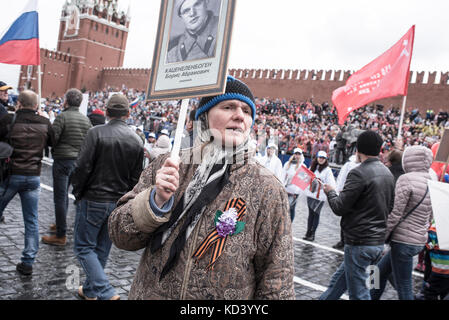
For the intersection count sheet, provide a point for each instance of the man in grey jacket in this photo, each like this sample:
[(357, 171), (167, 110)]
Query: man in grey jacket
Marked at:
[(70, 128)]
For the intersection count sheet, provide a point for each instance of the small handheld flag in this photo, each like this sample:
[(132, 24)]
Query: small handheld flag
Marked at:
[(135, 103), (303, 177)]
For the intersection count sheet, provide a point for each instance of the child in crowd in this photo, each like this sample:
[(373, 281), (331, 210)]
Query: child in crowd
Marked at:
[(436, 277)]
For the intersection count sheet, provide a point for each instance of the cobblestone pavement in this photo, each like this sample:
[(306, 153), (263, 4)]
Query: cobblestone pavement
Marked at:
[(56, 268)]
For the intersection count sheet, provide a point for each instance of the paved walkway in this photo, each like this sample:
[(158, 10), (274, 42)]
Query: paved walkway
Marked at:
[(56, 273)]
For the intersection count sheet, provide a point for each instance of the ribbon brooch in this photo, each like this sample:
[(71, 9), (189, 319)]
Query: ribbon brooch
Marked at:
[(227, 223)]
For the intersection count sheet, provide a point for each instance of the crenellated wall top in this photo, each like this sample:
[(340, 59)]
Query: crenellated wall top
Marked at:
[(423, 77), (56, 55)]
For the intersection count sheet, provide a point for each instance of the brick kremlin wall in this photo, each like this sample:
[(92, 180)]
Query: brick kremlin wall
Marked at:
[(426, 90), (131, 78), (57, 72), (301, 85)]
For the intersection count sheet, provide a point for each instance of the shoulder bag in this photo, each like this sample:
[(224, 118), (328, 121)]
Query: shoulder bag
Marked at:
[(388, 240)]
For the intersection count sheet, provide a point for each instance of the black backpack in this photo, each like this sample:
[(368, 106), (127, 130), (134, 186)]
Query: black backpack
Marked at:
[(6, 151)]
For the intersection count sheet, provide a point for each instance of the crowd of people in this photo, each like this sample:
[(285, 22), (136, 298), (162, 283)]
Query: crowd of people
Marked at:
[(307, 125), (313, 127), (167, 204)]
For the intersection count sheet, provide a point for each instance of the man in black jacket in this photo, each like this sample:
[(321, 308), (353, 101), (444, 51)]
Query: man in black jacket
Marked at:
[(340, 147), (442, 117), (30, 134), (4, 98), (364, 204), (109, 165)]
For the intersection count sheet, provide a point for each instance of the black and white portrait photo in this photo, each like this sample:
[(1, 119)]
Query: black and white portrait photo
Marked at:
[(194, 27), (192, 47)]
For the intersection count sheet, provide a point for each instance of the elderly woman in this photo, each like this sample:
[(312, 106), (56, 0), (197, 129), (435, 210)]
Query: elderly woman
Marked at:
[(214, 225), (408, 223)]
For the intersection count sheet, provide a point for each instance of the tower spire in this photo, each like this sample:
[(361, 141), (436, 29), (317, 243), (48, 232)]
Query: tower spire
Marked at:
[(128, 13)]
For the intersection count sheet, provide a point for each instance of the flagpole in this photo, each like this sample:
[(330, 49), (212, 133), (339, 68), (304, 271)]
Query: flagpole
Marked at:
[(39, 85), (180, 129), (444, 170), (401, 122)]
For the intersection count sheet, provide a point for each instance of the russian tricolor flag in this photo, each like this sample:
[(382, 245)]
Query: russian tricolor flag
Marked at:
[(20, 43), (135, 103)]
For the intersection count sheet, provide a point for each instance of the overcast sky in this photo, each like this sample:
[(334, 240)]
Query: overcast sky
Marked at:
[(285, 34)]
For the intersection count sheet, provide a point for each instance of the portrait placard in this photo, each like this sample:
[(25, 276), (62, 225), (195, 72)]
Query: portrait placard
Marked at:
[(443, 151), (192, 49), (84, 104)]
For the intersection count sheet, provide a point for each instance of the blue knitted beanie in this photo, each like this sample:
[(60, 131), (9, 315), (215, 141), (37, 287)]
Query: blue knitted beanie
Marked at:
[(235, 90)]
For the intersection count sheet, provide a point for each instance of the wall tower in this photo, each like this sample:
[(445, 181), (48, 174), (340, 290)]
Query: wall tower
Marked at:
[(94, 33)]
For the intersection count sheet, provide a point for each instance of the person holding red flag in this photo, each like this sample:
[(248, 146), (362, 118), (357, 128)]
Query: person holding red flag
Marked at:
[(315, 194), (291, 168)]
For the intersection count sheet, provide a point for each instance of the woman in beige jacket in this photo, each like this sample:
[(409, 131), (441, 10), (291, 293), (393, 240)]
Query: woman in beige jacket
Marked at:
[(408, 234), (214, 225)]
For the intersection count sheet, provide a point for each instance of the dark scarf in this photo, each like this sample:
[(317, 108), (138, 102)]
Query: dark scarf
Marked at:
[(207, 195)]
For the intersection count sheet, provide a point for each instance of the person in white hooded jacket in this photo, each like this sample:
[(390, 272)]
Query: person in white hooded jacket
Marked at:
[(317, 197), (290, 168), (162, 146), (272, 162), (341, 179)]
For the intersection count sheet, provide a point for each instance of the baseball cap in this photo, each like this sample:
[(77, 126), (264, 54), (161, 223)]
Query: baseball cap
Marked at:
[(272, 146), (321, 154), (118, 102), (297, 150), (4, 86), (165, 131)]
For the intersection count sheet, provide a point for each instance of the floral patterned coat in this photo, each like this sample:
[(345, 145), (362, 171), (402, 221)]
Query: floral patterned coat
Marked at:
[(255, 264)]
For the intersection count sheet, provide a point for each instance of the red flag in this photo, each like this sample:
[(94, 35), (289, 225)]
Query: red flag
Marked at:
[(387, 76), (303, 177)]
